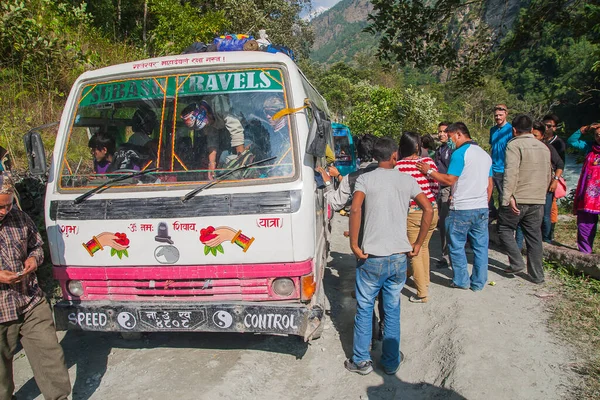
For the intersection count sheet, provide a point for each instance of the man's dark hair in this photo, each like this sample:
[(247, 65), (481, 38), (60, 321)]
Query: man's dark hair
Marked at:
[(100, 141), (459, 127), (539, 126), (364, 147), (410, 143), (384, 148), (444, 123), (551, 117), (522, 123), (428, 142)]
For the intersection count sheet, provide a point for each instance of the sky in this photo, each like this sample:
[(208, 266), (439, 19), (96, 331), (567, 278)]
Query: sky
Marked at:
[(324, 3)]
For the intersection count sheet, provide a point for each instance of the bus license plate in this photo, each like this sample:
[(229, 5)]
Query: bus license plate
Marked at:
[(173, 320)]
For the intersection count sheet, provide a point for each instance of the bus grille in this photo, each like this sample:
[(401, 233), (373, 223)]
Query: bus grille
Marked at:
[(256, 289)]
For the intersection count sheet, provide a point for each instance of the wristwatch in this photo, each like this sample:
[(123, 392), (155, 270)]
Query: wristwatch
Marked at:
[(556, 178), (429, 172), (327, 183)]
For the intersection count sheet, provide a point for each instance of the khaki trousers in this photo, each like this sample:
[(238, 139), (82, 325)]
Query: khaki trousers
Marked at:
[(36, 331), (419, 265)]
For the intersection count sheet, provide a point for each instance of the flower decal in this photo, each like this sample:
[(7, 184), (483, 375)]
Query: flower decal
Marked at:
[(121, 238), (207, 235)]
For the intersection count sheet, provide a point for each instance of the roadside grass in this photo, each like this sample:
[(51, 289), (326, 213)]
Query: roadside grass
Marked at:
[(576, 317)]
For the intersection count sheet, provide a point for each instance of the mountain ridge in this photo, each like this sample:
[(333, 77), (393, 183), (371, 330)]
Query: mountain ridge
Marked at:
[(339, 32)]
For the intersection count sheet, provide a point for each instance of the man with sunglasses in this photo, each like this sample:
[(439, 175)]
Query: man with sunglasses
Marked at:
[(25, 315), (500, 134), (551, 122)]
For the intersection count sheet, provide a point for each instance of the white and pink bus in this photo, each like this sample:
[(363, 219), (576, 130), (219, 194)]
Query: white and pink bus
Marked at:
[(182, 197)]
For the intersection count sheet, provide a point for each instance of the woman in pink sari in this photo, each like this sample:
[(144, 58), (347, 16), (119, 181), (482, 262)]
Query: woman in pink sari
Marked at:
[(586, 204)]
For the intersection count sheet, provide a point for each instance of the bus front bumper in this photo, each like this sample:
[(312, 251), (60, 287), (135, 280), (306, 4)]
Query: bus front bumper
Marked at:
[(270, 318)]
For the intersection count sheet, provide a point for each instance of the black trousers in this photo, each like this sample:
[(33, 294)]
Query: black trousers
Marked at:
[(530, 220), (497, 179)]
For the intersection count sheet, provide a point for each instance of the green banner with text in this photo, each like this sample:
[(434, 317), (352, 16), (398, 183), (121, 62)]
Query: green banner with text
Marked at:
[(185, 85)]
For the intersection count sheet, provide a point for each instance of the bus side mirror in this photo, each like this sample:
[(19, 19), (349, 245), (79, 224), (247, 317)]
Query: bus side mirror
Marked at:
[(36, 155), (319, 132)]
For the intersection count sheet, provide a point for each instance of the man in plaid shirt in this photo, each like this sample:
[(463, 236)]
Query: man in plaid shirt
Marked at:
[(24, 312)]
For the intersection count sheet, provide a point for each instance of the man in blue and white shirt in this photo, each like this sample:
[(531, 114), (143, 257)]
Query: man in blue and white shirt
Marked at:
[(470, 175)]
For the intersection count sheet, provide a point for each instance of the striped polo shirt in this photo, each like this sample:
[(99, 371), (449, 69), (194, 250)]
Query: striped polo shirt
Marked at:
[(427, 184)]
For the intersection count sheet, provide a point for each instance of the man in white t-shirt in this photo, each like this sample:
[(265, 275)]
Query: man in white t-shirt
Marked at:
[(470, 175), (385, 195)]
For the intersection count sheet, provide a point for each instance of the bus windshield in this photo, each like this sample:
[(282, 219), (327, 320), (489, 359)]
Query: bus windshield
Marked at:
[(191, 127)]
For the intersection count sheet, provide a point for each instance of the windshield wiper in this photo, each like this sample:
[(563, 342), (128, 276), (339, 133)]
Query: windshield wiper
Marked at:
[(106, 184), (220, 178)]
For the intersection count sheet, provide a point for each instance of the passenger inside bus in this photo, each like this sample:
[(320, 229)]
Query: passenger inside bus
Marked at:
[(102, 148), (279, 134), (143, 123), (141, 150), (270, 137), (223, 133)]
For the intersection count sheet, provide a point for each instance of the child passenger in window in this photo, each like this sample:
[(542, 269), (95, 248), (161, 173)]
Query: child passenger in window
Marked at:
[(102, 148)]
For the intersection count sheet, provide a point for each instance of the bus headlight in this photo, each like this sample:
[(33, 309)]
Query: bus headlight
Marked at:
[(75, 288), (283, 286)]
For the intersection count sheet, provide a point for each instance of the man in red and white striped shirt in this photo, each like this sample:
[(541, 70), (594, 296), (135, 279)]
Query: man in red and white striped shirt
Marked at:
[(410, 150), (428, 185)]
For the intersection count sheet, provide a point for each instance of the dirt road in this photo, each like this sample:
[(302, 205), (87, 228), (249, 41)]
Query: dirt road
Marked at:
[(488, 345)]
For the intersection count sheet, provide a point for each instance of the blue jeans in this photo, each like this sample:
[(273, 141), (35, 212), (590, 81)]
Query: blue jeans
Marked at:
[(473, 224), (387, 274), (546, 223), (519, 237)]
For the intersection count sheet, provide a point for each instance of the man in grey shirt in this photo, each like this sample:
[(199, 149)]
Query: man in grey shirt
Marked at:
[(386, 193)]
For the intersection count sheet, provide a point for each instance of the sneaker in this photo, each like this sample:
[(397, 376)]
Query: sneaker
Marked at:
[(415, 299), (363, 367), (455, 286), (393, 371)]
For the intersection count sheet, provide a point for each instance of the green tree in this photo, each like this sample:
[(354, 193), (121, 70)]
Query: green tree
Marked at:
[(380, 115), (177, 25), (169, 26), (419, 111), (550, 54), (34, 39), (389, 112), (425, 34), (280, 18)]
